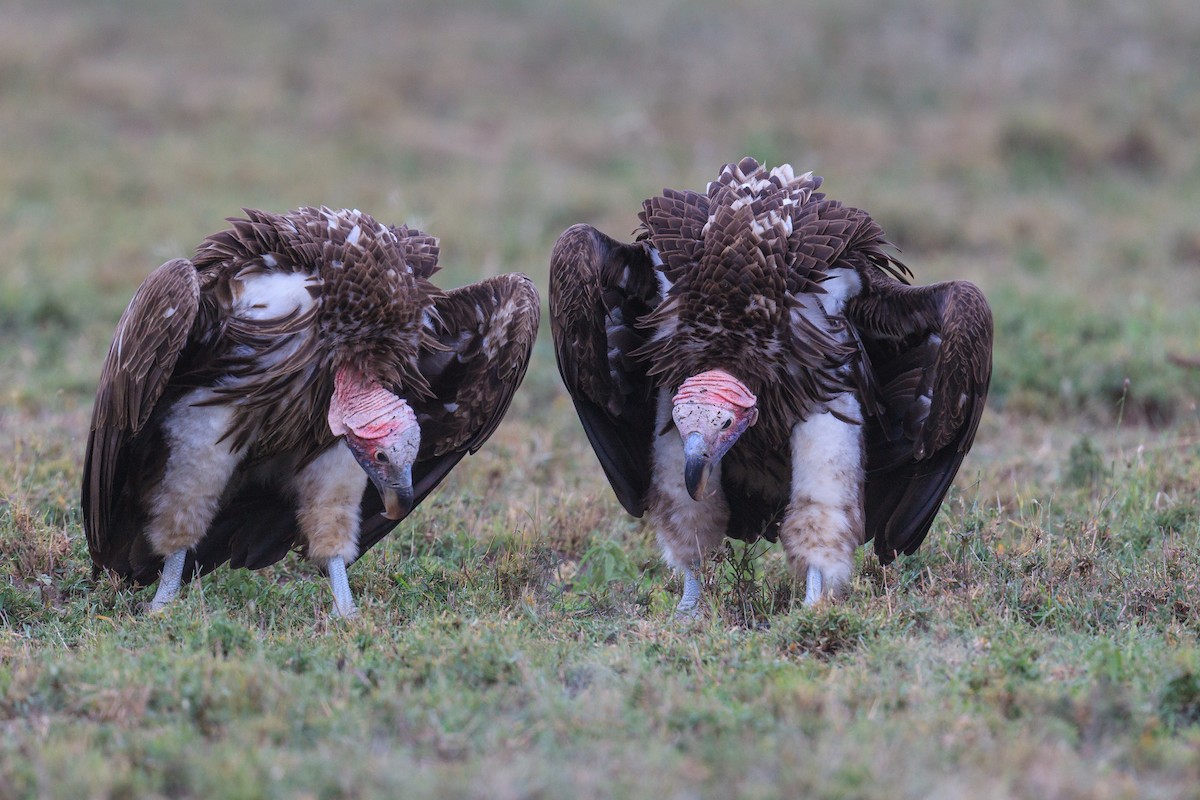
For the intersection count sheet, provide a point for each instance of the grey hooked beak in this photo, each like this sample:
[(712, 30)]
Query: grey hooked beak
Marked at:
[(396, 489), (697, 464), (393, 480)]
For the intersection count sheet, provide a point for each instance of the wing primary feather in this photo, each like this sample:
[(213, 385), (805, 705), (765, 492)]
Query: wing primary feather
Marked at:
[(601, 293), (930, 354)]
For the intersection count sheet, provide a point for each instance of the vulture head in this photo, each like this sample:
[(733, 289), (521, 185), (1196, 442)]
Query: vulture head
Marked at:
[(711, 411), (381, 431)]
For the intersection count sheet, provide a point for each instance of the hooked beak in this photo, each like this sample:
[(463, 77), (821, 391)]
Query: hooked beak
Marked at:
[(392, 479), (381, 431), (397, 496), (697, 464)]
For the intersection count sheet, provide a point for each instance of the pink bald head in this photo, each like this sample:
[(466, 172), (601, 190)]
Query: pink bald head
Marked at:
[(715, 387), (711, 410), (381, 431), (362, 407)]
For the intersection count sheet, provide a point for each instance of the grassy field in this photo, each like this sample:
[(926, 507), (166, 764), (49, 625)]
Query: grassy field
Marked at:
[(516, 636)]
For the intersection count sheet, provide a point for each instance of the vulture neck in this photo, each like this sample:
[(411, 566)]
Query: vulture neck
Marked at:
[(362, 407)]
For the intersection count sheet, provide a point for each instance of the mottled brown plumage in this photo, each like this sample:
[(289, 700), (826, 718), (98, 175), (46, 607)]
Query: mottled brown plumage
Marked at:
[(208, 329), (371, 294), (798, 296)]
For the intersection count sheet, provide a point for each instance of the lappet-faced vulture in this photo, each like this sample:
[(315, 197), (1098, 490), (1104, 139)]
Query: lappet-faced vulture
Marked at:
[(300, 382), (756, 364)]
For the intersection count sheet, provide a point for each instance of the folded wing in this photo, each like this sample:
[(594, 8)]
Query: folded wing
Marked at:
[(151, 335), (484, 335), (599, 290), (929, 360)]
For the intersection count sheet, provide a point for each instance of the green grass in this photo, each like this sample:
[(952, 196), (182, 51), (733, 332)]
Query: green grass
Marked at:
[(516, 637), (1022, 650)]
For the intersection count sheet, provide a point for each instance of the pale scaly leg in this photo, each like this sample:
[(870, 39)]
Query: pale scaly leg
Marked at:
[(824, 520), (812, 586), (343, 600), (688, 530), (168, 582), (188, 497), (689, 604), (329, 492)]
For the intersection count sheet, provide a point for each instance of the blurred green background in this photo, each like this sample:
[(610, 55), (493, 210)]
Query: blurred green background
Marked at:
[(1045, 150)]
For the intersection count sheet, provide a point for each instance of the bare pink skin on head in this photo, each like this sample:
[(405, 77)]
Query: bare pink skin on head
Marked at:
[(381, 431), (715, 387), (361, 406), (711, 410)]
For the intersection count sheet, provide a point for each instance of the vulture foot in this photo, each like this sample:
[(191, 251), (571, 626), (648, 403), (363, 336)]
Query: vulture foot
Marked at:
[(689, 604), (343, 601), (813, 586), (168, 582)]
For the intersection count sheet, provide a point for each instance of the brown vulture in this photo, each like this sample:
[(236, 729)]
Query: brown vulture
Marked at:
[(300, 382), (815, 396)]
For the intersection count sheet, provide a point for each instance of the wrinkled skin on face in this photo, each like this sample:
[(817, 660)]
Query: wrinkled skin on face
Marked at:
[(711, 411), (381, 431)]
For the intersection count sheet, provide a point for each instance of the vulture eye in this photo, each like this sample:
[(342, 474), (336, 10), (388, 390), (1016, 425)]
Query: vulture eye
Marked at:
[(728, 422), (381, 457)]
